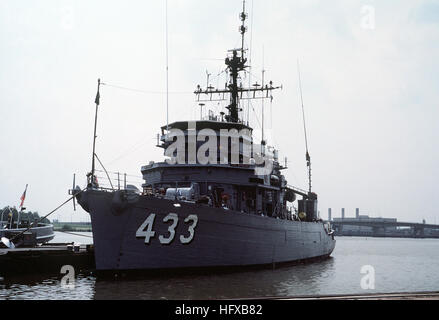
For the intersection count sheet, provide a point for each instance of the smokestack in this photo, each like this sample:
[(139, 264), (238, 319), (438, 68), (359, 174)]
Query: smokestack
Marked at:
[(342, 213), (357, 213), (329, 214)]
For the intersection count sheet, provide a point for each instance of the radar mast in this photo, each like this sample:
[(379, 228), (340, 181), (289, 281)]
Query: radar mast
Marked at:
[(236, 63)]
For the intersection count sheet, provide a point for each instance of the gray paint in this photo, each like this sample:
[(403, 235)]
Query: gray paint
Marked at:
[(222, 237)]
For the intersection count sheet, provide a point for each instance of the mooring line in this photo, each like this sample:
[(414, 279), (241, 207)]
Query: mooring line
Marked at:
[(59, 207)]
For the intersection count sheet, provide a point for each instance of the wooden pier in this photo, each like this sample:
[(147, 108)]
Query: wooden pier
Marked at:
[(46, 259)]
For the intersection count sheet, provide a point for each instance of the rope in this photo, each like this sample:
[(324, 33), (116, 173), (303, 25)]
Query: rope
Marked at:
[(303, 108), (308, 158), (129, 151), (104, 170), (144, 91), (41, 219)]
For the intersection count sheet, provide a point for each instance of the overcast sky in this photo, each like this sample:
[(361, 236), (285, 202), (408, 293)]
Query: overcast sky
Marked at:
[(370, 85)]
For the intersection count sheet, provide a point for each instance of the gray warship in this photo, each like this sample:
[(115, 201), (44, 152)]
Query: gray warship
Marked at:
[(219, 200)]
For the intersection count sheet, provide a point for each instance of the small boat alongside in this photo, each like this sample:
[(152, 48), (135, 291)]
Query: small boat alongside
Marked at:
[(38, 234), (24, 228)]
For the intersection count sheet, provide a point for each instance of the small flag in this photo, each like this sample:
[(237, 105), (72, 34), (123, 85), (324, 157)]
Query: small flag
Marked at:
[(98, 97), (23, 197)]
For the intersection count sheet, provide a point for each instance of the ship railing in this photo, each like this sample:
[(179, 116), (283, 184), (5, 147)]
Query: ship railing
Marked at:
[(298, 190), (113, 181)]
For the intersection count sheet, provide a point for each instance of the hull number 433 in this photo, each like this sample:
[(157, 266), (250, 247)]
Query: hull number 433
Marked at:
[(146, 229)]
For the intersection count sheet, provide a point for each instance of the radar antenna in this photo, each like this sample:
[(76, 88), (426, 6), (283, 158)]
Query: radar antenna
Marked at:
[(243, 28), (236, 63)]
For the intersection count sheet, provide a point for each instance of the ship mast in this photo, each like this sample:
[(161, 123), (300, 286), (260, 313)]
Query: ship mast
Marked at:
[(243, 28), (235, 63), (97, 102)]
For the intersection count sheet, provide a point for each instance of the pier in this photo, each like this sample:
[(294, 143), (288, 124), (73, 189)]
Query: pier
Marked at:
[(363, 225), (46, 259)]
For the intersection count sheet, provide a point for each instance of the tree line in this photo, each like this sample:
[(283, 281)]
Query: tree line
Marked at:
[(7, 212)]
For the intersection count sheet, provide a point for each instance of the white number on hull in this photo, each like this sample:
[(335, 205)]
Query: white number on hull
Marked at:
[(148, 234), (171, 229), (194, 220)]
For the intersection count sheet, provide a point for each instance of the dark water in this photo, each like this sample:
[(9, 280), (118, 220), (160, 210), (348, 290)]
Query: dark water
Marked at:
[(400, 265)]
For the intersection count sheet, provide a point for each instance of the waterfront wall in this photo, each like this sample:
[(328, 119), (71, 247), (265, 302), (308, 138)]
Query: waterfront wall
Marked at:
[(72, 226)]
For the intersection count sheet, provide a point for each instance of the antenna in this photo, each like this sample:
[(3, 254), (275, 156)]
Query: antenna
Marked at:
[(308, 158), (243, 28), (167, 71), (263, 100), (250, 64), (208, 78), (236, 63), (97, 102), (201, 105)]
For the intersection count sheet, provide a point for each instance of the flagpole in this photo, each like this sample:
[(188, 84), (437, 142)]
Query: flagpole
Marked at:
[(12, 217), (98, 96), (21, 205)]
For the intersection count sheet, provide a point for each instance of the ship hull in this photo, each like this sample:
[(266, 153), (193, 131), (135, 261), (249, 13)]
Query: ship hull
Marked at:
[(187, 235)]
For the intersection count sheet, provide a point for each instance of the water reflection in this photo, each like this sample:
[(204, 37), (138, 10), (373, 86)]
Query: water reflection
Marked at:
[(285, 281), (46, 287), (401, 265)]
